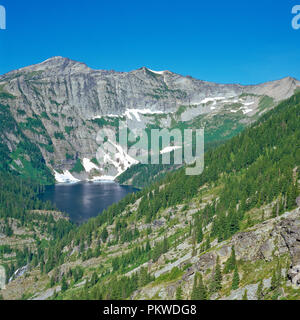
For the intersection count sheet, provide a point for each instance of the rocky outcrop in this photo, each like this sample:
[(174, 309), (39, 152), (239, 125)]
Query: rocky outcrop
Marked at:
[(271, 238), (290, 232), (274, 237), (298, 201)]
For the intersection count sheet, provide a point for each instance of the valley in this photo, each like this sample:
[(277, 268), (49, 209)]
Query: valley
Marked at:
[(230, 233)]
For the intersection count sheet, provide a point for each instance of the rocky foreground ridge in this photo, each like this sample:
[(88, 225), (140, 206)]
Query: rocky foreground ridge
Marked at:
[(259, 247), (258, 250)]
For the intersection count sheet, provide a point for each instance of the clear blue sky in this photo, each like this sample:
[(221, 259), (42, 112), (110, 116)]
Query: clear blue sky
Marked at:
[(223, 41)]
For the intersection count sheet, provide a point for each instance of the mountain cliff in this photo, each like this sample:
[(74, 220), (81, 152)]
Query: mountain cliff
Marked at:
[(59, 106)]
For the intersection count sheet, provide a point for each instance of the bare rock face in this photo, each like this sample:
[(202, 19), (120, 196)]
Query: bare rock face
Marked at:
[(73, 102), (206, 261), (290, 231), (298, 201)]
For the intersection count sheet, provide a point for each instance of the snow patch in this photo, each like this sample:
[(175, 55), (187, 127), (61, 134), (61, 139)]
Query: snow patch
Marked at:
[(135, 112), (103, 179), (169, 149), (118, 158), (248, 103), (88, 165), (245, 111), (65, 177), (157, 72), (18, 273), (122, 158), (231, 101), (215, 99), (106, 116), (129, 113)]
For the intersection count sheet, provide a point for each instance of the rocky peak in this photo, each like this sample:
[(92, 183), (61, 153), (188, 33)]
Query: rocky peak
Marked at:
[(61, 86), (60, 66)]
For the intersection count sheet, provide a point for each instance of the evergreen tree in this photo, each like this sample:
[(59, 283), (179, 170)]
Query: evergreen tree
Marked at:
[(216, 284), (52, 281), (64, 284), (274, 280), (104, 235), (235, 279), (179, 293), (231, 262), (259, 291), (195, 291), (207, 244), (94, 279), (245, 295), (202, 289)]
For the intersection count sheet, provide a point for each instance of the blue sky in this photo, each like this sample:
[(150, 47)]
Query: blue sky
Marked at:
[(223, 41)]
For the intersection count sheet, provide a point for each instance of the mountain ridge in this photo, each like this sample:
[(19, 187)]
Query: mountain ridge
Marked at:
[(67, 60), (60, 105)]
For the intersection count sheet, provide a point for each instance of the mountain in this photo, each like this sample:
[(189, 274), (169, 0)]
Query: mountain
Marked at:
[(230, 233), (58, 107)]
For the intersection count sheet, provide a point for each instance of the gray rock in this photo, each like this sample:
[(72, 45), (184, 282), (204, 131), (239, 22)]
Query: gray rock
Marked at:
[(298, 201)]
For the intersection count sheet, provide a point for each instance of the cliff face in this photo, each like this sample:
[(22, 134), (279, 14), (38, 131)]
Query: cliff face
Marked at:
[(63, 85), (60, 106)]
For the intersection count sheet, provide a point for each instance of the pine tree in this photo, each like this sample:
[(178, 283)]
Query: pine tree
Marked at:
[(245, 295), (64, 284), (165, 245), (94, 279), (104, 235), (216, 284), (179, 293), (235, 279), (207, 243), (194, 250), (259, 291), (231, 262), (52, 281), (273, 280), (42, 267), (199, 233), (148, 247), (202, 289), (195, 290)]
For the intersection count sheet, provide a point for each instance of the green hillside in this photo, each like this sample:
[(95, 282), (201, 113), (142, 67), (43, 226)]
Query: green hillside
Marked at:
[(191, 237), (22, 155)]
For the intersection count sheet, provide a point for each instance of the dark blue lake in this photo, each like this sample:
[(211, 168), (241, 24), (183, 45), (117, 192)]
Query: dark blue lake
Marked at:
[(84, 200)]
